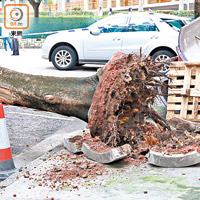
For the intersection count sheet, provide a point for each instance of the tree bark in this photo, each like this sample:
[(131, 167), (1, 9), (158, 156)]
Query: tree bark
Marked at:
[(35, 6), (197, 8), (67, 96)]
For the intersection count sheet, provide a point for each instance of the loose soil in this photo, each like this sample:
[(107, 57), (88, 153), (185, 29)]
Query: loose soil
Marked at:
[(94, 143), (69, 170), (170, 151), (98, 146)]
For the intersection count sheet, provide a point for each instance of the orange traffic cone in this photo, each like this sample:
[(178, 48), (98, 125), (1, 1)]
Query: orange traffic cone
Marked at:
[(7, 166)]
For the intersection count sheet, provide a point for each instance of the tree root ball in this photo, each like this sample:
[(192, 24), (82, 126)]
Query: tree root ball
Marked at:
[(122, 100)]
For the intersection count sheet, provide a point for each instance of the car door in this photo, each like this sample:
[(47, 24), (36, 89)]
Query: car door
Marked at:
[(102, 46), (141, 33)]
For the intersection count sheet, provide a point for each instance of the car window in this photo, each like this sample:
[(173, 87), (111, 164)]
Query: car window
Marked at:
[(142, 27), (114, 21), (112, 29), (141, 24), (177, 23)]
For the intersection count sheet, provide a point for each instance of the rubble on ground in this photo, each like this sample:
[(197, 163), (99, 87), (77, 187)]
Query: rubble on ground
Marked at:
[(69, 171), (94, 149)]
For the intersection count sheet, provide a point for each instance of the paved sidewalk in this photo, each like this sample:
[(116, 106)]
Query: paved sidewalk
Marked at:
[(145, 182)]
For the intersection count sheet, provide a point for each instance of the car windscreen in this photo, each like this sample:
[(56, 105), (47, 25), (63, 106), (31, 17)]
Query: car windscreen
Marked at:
[(175, 23)]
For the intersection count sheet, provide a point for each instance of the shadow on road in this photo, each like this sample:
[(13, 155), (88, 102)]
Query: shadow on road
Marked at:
[(91, 68)]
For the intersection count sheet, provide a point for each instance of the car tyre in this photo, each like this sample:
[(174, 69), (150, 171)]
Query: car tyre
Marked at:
[(159, 56), (162, 55), (64, 58)]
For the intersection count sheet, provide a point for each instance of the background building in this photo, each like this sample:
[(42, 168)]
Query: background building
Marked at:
[(93, 5), (154, 4)]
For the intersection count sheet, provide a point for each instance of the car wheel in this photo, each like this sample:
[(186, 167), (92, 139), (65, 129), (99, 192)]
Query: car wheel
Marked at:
[(161, 56), (64, 58)]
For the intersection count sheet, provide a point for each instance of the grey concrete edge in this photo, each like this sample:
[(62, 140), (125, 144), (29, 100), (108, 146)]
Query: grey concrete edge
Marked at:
[(38, 154), (174, 161)]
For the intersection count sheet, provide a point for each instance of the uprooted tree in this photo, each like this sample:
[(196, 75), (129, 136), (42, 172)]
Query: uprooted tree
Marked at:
[(118, 96), (123, 98)]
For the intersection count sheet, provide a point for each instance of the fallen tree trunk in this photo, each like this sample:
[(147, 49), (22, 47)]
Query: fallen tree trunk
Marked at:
[(67, 96)]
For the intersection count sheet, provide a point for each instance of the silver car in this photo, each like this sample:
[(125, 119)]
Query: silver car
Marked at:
[(156, 36)]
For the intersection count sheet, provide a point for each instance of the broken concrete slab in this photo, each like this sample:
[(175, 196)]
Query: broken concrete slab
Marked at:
[(174, 160), (71, 142), (107, 157)]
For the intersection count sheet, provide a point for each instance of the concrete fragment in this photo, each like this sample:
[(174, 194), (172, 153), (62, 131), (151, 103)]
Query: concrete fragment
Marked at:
[(107, 157), (71, 144), (174, 160)]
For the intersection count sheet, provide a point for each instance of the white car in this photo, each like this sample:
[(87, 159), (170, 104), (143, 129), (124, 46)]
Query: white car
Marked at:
[(121, 32)]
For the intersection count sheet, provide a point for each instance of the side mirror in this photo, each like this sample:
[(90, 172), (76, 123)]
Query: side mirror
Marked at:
[(95, 32)]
